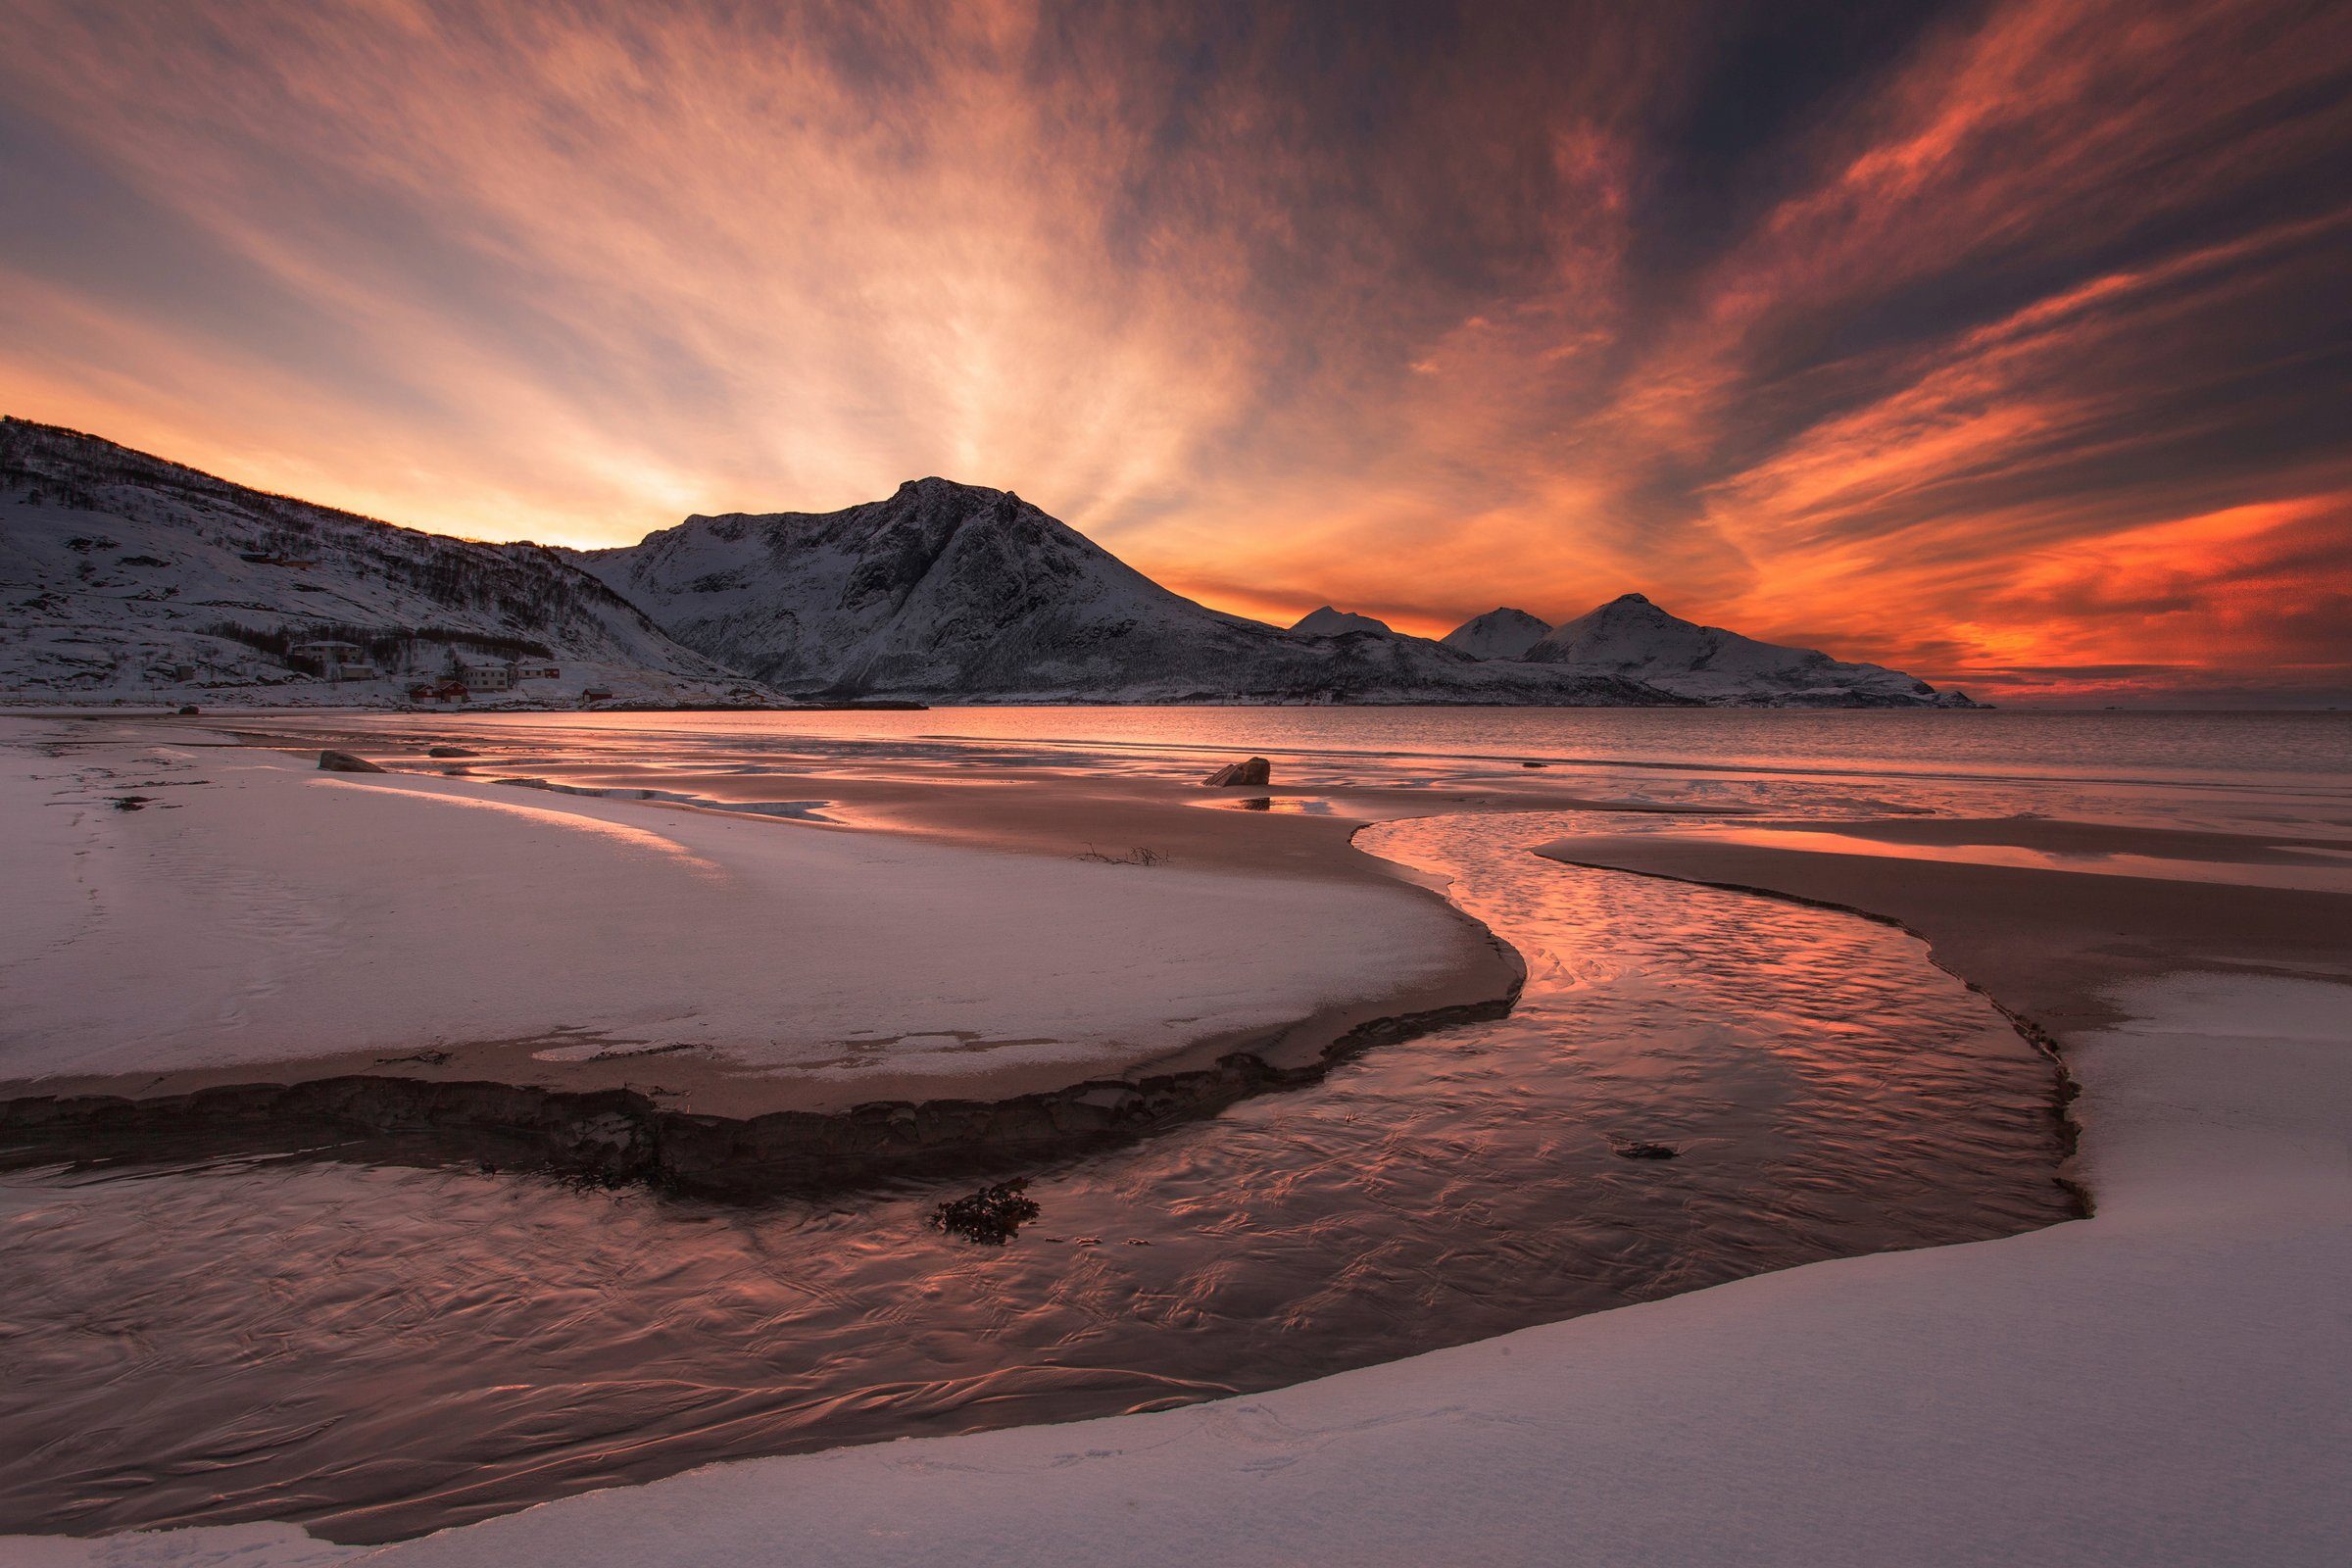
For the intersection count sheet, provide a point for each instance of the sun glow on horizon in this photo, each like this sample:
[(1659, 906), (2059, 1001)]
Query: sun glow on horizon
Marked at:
[(1876, 336)]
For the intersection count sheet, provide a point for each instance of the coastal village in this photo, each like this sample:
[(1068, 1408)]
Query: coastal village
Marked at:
[(339, 662)]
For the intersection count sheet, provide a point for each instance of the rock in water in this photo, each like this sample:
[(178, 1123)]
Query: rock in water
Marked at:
[(345, 763), (447, 751), (1255, 770)]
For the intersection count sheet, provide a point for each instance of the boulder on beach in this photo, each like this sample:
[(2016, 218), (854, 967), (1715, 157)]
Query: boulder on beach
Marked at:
[(1255, 770), (447, 751), (345, 763)]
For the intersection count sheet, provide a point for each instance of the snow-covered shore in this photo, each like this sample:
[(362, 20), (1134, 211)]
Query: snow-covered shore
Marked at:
[(262, 920), (2160, 1384)]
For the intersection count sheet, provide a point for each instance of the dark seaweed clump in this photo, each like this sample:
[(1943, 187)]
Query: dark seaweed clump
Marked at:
[(991, 1216)]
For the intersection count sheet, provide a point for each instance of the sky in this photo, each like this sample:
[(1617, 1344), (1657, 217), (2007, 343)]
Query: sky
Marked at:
[(2008, 342)]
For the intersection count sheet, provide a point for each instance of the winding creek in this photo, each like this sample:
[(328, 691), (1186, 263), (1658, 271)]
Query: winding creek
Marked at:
[(377, 1351)]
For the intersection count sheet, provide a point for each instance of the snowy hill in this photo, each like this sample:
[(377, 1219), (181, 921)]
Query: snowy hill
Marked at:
[(127, 577), (1633, 638), (1503, 633), (946, 591), (1330, 622)]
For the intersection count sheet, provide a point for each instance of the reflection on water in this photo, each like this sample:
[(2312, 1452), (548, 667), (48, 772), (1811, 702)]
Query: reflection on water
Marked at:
[(2317, 870), (2219, 770), (1287, 805), (381, 1352)]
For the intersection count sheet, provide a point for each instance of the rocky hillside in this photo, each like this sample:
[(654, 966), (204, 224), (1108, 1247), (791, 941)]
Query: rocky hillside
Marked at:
[(127, 577)]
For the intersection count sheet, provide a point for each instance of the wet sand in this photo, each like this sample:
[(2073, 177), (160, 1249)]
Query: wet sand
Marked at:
[(2050, 946)]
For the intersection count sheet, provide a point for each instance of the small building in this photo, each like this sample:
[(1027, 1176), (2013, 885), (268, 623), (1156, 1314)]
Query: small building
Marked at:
[(597, 694), (440, 691), (535, 669), (489, 677), (337, 660)]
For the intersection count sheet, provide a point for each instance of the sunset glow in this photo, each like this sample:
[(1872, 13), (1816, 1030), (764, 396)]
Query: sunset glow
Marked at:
[(2002, 342)]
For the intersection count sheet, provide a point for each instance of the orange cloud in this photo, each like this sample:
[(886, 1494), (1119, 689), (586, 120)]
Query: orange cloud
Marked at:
[(1415, 312)]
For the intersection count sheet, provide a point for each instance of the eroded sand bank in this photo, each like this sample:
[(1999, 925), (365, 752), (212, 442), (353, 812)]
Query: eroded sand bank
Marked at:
[(257, 921)]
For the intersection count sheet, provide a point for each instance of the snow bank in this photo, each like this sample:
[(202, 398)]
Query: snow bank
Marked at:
[(261, 912), (2162, 1384)]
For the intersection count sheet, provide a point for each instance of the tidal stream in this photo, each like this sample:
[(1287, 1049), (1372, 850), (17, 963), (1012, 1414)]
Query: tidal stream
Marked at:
[(377, 1351)]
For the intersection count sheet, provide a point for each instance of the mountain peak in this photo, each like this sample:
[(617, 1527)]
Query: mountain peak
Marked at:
[(1330, 622), (933, 484), (1633, 638), (1499, 633)]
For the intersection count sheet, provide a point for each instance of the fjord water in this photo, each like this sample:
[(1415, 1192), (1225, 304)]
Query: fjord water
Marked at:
[(2216, 769), (379, 1348), (2023, 744)]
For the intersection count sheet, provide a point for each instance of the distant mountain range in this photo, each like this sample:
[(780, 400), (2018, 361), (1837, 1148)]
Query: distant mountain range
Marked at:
[(123, 576), (949, 592), (1631, 637)]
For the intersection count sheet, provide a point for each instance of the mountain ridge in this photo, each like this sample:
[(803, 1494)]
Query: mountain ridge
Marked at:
[(128, 575), (133, 576), (945, 591), (1632, 637)]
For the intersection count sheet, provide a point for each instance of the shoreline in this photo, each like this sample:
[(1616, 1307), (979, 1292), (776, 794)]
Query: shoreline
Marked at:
[(621, 1135), (1980, 1401), (568, 1095), (1985, 1401)]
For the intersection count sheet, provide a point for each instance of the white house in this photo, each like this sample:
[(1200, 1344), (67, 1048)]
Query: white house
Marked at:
[(489, 677), (535, 669)]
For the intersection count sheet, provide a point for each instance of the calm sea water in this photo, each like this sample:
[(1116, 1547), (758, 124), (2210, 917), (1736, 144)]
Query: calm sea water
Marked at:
[(2282, 747)]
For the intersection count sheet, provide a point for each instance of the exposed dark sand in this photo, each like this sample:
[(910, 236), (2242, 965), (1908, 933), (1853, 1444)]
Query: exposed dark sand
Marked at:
[(2047, 944), (2058, 836)]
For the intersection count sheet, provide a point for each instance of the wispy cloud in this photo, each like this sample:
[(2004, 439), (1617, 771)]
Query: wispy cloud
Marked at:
[(1991, 339)]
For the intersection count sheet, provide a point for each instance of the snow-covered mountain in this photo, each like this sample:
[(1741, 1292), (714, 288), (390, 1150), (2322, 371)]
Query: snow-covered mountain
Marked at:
[(949, 592), (1630, 637), (127, 577), (1330, 622), (1503, 633), (123, 576)]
